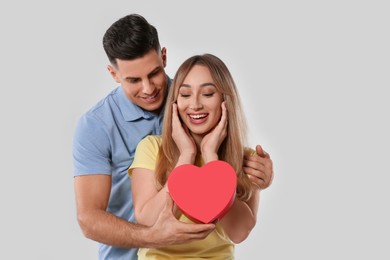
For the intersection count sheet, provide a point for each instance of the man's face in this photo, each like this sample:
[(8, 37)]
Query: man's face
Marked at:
[(143, 79)]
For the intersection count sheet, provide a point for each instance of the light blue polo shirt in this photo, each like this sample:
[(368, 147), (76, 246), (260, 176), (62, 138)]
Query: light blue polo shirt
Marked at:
[(104, 142)]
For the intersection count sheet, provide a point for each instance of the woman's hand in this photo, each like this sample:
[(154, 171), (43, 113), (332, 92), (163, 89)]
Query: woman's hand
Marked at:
[(213, 140), (184, 141)]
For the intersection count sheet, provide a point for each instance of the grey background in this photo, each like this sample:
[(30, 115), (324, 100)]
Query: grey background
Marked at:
[(313, 77)]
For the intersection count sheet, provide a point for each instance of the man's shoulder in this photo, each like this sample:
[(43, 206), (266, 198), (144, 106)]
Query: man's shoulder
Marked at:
[(102, 109), (104, 104)]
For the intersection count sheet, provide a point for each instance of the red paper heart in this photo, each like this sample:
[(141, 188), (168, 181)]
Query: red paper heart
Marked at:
[(203, 194)]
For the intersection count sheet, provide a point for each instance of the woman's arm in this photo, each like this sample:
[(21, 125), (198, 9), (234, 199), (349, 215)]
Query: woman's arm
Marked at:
[(241, 218), (148, 201)]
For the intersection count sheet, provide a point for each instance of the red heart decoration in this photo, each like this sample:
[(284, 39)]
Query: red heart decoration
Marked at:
[(203, 194)]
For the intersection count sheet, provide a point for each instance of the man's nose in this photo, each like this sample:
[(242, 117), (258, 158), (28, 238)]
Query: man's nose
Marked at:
[(148, 87)]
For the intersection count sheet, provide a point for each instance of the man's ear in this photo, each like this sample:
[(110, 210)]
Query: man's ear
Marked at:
[(164, 56), (113, 73)]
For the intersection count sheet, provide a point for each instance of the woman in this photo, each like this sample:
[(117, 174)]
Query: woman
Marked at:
[(203, 122)]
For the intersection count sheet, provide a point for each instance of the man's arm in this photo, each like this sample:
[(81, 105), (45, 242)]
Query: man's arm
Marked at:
[(92, 195)]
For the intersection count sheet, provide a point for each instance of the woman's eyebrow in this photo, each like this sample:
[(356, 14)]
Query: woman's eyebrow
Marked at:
[(202, 85)]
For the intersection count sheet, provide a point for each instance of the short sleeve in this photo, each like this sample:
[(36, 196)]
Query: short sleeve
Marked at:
[(91, 147), (146, 153)]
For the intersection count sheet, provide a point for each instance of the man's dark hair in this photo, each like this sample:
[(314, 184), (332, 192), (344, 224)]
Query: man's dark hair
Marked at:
[(129, 38)]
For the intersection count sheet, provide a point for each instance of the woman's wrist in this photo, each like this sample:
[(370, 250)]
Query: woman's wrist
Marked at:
[(208, 157), (186, 158)]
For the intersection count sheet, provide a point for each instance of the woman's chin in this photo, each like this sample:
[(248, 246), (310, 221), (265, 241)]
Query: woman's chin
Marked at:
[(198, 131)]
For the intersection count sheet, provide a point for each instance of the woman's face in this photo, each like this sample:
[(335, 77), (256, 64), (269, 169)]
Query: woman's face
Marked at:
[(199, 102)]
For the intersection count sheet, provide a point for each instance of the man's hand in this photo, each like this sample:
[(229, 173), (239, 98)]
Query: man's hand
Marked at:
[(259, 168), (167, 230)]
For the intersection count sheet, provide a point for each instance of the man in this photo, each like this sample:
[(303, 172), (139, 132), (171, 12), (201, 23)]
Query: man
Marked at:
[(106, 138)]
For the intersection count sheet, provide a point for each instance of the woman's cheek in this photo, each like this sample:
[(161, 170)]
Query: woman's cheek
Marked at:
[(181, 109)]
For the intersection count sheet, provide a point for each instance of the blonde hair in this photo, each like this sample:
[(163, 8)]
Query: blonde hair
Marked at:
[(232, 148)]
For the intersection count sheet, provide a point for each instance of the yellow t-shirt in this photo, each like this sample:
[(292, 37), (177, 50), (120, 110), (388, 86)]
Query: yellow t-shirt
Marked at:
[(217, 245)]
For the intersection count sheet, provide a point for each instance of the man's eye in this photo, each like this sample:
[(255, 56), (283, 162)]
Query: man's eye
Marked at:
[(133, 81), (155, 73)]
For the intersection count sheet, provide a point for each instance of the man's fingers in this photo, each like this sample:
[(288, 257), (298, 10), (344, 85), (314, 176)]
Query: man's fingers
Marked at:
[(261, 178), (199, 228), (266, 161), (260, 183), (254, 172), (260, 151), (188, 232), (255, 164), (188, 237)]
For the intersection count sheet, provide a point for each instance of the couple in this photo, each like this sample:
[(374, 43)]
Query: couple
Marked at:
[(202, 122)]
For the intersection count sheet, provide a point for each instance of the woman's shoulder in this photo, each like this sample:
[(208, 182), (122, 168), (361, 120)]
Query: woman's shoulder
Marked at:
[(151, 140)]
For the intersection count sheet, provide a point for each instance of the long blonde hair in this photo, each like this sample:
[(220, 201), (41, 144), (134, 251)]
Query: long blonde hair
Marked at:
[(232, 148)]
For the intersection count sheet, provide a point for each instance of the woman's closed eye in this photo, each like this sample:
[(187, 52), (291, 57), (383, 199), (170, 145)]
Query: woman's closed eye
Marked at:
[(184, 95)]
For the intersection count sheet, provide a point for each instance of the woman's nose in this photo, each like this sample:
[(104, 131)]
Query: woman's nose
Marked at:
[(195, 104)]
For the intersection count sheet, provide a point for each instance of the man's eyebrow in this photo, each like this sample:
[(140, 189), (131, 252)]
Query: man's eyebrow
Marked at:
[(158, 68), (202, 85), (132, 78)]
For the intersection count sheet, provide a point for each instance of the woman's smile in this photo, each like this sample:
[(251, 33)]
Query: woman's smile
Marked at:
[(198, 118)]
